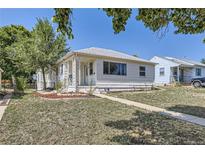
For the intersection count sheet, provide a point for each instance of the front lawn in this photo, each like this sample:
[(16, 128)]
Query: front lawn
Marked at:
[(182, 99), (32, 120)]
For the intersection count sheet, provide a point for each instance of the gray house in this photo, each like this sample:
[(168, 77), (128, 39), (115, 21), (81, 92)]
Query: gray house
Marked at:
[(103, 69), (171, 69)]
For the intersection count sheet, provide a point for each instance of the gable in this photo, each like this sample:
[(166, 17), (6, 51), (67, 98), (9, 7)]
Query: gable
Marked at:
[(164, 62)]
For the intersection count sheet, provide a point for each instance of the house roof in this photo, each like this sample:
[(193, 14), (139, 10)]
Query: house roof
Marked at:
[(179, 61), (194, 62), (106, 53), (184, 61)]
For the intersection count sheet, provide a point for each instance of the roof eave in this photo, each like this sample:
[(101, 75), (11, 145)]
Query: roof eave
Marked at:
[(65, 57), (93, 55)]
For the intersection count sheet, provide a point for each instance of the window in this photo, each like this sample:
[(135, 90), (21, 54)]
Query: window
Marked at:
[(61, 69), (142, 71), (161, 71), (105, 68), (66, 66), (114, 68), (91, 68), (198, 71)]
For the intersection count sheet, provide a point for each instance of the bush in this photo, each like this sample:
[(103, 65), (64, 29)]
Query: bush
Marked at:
[(177, 84), (58, 86), (21, 84)]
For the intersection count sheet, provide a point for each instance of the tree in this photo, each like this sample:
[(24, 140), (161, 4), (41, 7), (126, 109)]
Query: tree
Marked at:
[(203, 61), (186, 21), (135, 55), (47, 46), (10, 61), (63, 19)]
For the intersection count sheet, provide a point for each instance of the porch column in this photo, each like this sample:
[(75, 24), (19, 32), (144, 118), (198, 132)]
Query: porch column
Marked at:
[(79, 72), (75, 73), (178, 73), (67, 79), (88, 64)]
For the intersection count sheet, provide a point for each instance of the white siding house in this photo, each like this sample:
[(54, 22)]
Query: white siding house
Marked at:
[(101, 69), (50, 78), (171, 69), (0, 77)]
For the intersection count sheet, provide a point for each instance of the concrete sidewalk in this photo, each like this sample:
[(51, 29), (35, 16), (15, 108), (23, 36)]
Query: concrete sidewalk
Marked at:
[(4, 103), (173, 114)]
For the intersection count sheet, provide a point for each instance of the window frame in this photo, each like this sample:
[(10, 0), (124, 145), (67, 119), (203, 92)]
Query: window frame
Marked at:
[(61, 69), (196, 71), (161, 71), (142, 71), (91, 72)]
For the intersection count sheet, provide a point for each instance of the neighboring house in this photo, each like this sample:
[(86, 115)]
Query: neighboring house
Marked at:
[(169, 70), (99, 69), (0, 76), (51, 78)]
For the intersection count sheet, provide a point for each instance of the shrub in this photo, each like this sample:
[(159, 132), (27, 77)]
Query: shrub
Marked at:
[(176, 84), (58, 86), (21, 84), (91, 88)]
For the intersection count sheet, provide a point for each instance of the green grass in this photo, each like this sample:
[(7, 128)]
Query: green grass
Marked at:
[(31, 120), (182, 99)]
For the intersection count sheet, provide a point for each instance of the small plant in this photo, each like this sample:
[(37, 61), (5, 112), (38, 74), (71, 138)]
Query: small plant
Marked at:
[(91, 89), (21, 84), (176, 84), (58, 86)]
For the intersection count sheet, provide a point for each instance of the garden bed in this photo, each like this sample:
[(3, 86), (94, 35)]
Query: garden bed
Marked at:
[(54, 95), (2, 94)]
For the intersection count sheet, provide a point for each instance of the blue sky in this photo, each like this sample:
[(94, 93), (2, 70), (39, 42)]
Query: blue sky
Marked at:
[(92, 28)]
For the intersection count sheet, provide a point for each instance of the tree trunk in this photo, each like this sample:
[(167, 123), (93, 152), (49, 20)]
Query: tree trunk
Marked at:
[(14, 83), (44, 78)]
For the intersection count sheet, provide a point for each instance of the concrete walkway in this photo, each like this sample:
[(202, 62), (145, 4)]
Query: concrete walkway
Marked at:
[(3, 104), (173, 114)]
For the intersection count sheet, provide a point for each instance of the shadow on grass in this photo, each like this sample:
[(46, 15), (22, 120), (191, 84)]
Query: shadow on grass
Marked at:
[(18, 95), (153, 128), (193, 110)]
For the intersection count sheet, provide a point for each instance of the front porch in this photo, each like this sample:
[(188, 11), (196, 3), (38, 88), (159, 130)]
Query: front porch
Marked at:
[(77, 72), (181, 74)]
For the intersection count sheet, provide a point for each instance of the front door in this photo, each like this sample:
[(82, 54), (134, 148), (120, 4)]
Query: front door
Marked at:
[(85, 75)]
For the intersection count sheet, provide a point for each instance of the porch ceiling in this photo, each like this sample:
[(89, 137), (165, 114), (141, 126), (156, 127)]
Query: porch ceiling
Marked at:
[(86, 59), (184, 66)]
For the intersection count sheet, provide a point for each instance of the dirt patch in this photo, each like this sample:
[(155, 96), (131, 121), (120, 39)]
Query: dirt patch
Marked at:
[(199, 95), (2, 94), (63, 95)]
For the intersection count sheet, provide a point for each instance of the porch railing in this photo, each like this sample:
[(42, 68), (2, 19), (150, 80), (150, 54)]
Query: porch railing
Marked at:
[(182, 79)]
